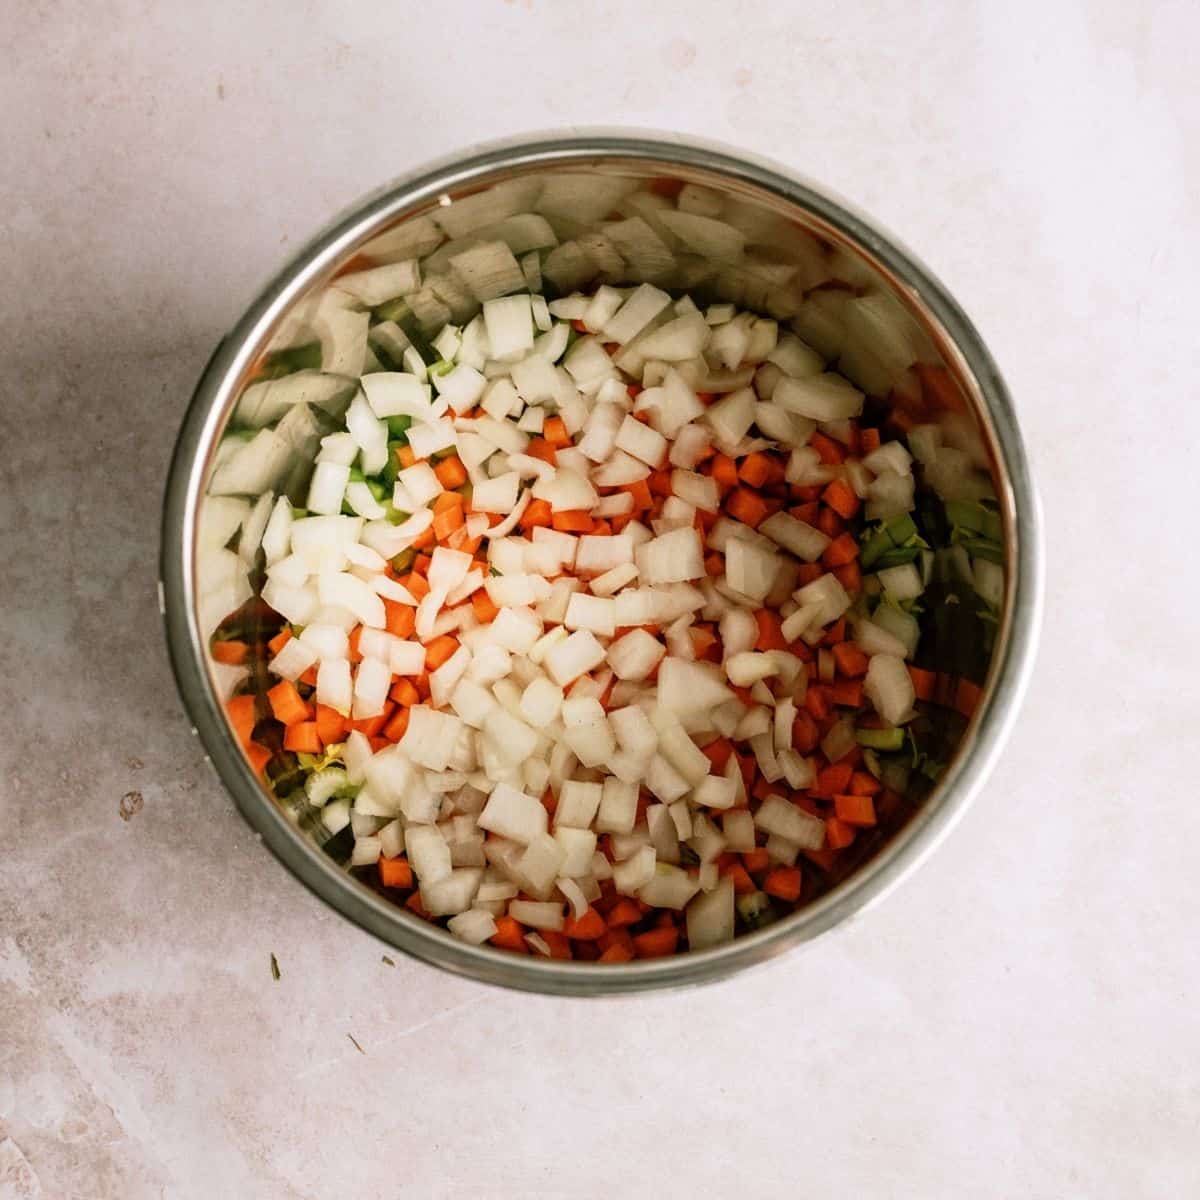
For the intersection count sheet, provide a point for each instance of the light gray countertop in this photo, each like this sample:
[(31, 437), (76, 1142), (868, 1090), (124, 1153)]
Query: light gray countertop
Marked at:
[(1019, 1019)]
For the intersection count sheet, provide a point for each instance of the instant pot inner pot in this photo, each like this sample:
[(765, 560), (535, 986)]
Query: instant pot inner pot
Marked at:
[(560, 231)]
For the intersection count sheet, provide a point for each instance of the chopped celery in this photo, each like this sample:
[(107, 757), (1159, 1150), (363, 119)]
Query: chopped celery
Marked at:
[(398, 427), (897, 539), (896, 556), (394, 310), (755, 909), (318, 762), (979, 547), (404, 559), (880, 739)]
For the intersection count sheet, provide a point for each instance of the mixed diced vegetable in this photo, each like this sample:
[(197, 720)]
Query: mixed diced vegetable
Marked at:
[(598, 627)]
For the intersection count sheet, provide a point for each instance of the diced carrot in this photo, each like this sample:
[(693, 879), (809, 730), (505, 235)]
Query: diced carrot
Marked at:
[(242, 716), (840, 551), (846, 693), (233, 654), (485, 610), (831, 453), (858, 811), (869, 440), (537, 513), (825, 858), (425, 540), (421, 683), (808, 493), (287, 704), (406, 456), (395, 872), (421, 565), (863, 783), (747, 507), (418, 585), (540, 448), (396, 728), (849, 576), (829, 523), (331, 725), (617, 953), (783, 882), (555, 432), (808, 513), (841, 497), (586, 928), (309, 678), (743, 885), (450, 472), (373, 726), (770, 630), (704, 642), (615, 937), (833, 779), (756, 859), (724, 470), (850, 660), (355, 654), (624, 912), (838, 835), (938, 387), (439, 650), (556, 942), (640, 491), (302, 738), (572, 521), (656, 943), (755, 470), (280, 640), (415, 906), (258, 755), (924, 682), (809, 573), (404, 692), (836, 632), (509, 935), (816, 701), (805, 734), (714, 565), (401, 620), (445, 501), (660, 482), (448, 520), (966, 697)]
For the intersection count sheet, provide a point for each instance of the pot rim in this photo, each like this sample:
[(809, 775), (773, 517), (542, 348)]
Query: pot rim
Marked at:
[(965, 352)]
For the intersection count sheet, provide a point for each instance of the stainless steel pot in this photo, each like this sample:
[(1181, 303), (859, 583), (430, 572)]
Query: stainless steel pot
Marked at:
[(590, 162)]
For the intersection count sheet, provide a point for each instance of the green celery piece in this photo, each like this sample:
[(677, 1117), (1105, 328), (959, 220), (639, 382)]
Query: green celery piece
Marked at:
[(394, 310), (356, 475), (378, 488), (880, 739), (900, 531), (896, 556), (398, 427), (405, 559), (979, 547), (966, 514)]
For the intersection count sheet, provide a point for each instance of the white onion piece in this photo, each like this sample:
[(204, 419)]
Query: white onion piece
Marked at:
[(345, 591), (334, 686)]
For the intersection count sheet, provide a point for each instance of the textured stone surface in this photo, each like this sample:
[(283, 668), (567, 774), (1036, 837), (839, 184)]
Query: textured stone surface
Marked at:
[(1018, 1019)]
